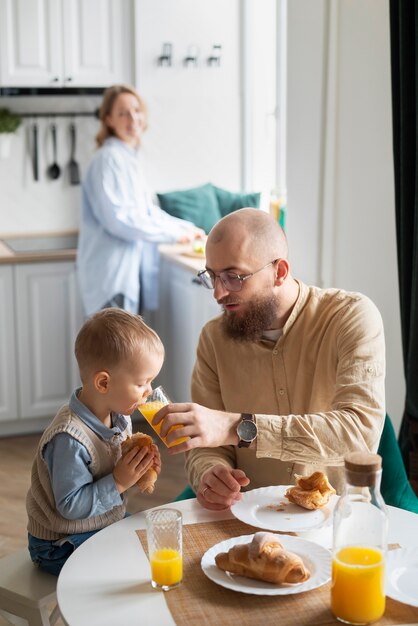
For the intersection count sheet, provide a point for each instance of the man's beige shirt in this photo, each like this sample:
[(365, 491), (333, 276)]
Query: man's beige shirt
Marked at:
[(317, 393)]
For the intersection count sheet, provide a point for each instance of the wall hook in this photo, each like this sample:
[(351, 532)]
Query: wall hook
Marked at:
[(166, 55), (191, 56), (215, 57)]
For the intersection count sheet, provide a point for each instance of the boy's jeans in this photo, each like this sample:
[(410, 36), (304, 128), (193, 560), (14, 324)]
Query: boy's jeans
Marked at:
[(51, 557)]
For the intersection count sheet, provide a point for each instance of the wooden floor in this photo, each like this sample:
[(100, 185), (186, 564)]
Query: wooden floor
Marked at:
[(16, 456)]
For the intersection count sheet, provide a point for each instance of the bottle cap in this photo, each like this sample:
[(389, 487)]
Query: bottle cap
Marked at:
[(361, 468), (363, 462)]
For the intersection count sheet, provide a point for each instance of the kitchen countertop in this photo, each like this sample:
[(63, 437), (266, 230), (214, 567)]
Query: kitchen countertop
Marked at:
[(181, 254), (9, 256)]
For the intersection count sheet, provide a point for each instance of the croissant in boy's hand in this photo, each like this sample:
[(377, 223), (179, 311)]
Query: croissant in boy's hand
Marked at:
[(147, 481), (264, 558)]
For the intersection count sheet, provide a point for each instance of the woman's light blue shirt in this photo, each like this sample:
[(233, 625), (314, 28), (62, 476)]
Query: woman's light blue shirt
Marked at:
[(76, 495), (120, 227)]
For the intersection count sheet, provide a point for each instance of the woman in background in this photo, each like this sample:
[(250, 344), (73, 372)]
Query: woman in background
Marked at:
[(121, 225)]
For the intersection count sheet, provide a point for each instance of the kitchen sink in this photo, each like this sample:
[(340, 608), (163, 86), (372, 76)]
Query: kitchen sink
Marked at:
[(41, 244)]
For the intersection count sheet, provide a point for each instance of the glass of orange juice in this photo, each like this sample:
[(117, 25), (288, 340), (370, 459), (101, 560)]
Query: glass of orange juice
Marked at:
[(154, 402), (165, 549)]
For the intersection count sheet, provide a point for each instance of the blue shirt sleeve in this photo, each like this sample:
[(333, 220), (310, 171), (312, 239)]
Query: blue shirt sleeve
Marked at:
[(77, 496), (124, 210)]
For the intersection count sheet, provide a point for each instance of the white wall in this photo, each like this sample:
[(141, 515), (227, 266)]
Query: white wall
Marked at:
[(46, 205), (341, 213), (194, 129)]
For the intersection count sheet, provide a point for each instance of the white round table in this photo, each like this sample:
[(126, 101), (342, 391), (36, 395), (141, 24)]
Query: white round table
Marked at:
[(106, 580)]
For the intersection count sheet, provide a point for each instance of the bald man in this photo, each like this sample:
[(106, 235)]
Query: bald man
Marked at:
[(287, 380)]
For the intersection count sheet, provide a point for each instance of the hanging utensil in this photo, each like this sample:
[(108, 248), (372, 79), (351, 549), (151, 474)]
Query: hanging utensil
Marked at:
[(54, 170), (73, 165), (35, 151)]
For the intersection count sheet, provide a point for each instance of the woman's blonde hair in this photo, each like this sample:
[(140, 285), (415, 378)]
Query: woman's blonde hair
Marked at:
[(109, 98), (112, 336)]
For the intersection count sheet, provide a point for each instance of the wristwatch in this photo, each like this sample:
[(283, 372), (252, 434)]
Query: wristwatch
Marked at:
[(246, 430)]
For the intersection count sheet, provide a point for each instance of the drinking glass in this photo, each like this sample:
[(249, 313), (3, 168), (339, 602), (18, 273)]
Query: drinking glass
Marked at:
[(165, 549), (154, 402)]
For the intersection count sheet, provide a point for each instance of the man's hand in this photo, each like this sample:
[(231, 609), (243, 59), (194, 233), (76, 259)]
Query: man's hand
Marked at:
[(129, 469), (220, 487), (191, 235), (204, 427)]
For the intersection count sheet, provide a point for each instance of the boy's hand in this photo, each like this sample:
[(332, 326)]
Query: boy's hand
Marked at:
[(157, 458), (129, 469)]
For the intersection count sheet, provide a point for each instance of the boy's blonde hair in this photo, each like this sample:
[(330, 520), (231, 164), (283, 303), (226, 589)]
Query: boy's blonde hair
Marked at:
[(111, 336)]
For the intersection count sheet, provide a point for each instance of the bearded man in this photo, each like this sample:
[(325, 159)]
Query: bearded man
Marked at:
[(288, 380)]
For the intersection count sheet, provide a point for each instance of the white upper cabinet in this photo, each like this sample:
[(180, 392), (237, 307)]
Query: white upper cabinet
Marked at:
[(65, 43), (96, 42)]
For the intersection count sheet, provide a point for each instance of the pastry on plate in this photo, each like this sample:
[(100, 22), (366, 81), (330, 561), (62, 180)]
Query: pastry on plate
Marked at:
[(264, 558), (311, 492)]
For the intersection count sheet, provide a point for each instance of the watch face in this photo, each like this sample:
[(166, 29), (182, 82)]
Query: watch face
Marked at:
[(247, 430)]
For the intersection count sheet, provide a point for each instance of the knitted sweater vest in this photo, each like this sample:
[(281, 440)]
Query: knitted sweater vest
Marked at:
[(44, 521)]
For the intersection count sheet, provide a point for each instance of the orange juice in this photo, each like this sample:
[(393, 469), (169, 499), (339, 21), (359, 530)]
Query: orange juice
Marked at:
[(357, 591), (166, 567), (148, 410)]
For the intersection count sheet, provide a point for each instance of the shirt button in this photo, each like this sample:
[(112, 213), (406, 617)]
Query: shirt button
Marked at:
[(275, 352), (289, 470), (281, 392), (370, 369)]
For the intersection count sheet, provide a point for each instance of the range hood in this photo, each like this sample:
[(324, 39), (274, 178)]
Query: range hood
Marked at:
[(51, 91)]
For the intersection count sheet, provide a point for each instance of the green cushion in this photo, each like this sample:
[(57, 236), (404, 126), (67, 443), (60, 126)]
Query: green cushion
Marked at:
[(229, 201), (198, 205), (186, 494), (396, 489)]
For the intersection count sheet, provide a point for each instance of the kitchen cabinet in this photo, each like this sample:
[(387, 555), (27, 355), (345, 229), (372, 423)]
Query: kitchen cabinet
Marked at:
[(185, 306), (8, 374), (41, 316), (48, 315), (65, 43)]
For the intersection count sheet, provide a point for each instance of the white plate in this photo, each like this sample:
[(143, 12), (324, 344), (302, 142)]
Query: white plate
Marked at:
[(402, 575), (258, 507), (316, 558)]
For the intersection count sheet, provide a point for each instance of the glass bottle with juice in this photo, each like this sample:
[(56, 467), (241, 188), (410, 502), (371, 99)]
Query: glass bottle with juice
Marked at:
[(155, 401), (359, 543)]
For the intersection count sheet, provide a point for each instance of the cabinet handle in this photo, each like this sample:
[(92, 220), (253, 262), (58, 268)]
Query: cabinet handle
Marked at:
[(55, 79), (69, 79)]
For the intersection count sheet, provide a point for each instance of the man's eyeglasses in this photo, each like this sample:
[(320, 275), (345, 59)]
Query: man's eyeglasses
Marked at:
[(230, 280)]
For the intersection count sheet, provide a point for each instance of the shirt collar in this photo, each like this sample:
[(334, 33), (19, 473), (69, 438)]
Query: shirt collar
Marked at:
[(299, 304), (114, 141), (119, 421)]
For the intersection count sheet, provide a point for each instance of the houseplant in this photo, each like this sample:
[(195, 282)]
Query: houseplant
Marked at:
[(9, 123)]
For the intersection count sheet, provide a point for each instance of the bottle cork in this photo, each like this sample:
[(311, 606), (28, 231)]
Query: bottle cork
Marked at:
[(361, 468)]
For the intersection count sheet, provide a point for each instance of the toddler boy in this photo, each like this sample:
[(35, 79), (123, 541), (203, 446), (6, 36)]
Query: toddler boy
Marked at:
[(79, 476)]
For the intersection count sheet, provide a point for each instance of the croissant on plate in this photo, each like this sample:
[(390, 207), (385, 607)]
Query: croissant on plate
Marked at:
[(264, 558), (310, 492), (147, 481)]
